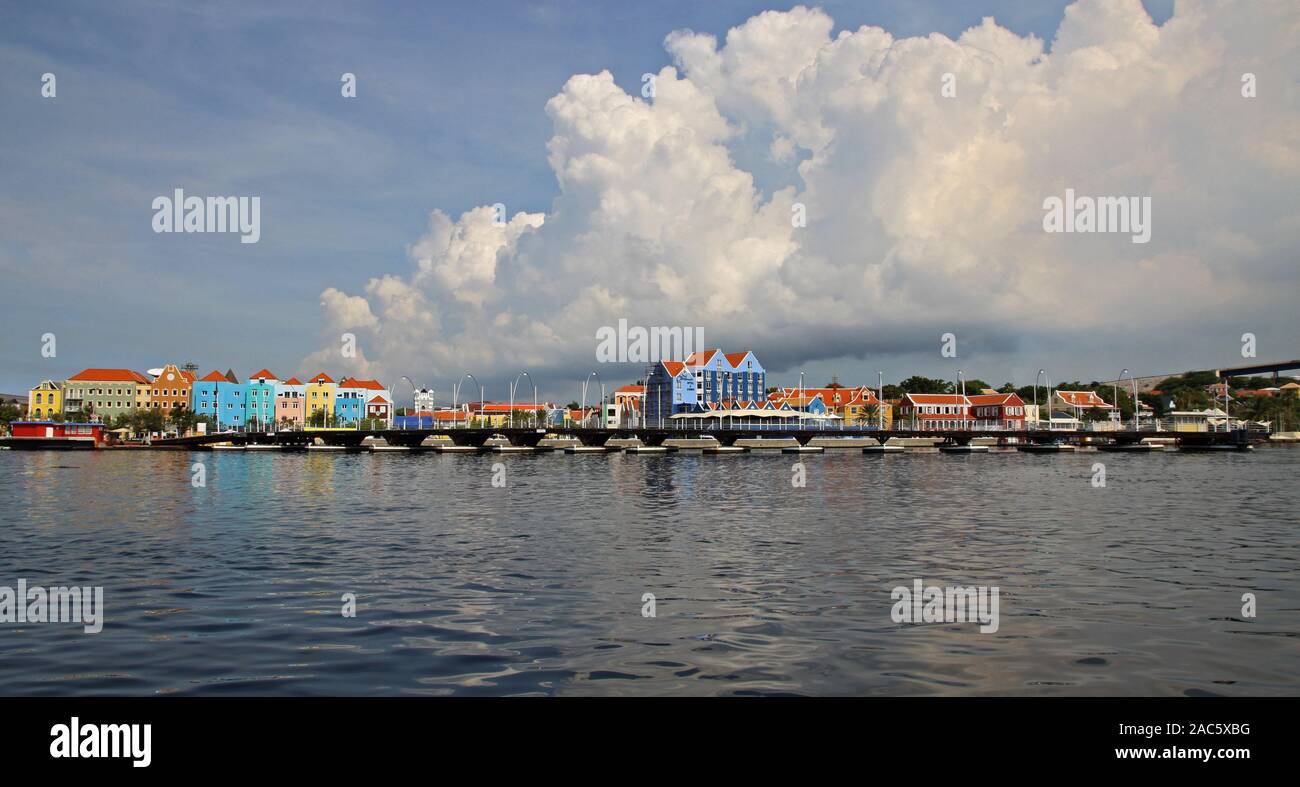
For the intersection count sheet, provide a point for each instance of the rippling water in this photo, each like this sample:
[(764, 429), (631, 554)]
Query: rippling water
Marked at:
[(467, 588)]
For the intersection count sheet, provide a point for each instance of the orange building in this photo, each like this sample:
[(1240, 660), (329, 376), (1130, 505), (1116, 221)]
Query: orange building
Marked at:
[(171, 389)]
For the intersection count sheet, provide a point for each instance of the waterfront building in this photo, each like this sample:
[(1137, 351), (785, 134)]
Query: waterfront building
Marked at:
[(104, 393), (705, 378), (349, 401), (48, 434), (319, 397), (232, 402), (380, 408), (854, 406), (997, 411), (261, 400), (934, 411), (171, 389), (1077, 403), (289, 398), (627, 406), (203, 396), (45, 400), (669, 389)]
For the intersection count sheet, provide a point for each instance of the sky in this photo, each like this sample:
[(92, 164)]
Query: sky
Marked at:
[(924, 209)]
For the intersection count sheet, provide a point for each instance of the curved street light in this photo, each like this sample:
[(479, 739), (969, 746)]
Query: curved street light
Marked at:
[(1135, 396), (584, 394), (1037, 413), (455, 396), (513, 385)]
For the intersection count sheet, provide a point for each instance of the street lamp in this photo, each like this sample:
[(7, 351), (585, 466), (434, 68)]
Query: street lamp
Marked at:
[(1135, 396), (1038, 416), (880, 406), (455, 396), (584, 395), (962, 404), (512, 396)]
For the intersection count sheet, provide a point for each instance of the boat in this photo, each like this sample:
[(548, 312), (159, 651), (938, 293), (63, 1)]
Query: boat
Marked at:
[(52, 435)]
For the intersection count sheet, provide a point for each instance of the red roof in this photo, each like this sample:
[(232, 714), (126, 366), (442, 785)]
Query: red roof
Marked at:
[(265, 373), (631, 389), (379, 399), (1082, 399), (373, 385), (1009, 399), (700, 357), (110, 375), (735, 358), (935, 398), (321, 378), (848, 397), (214, 377), (675, 367), (293, 381)]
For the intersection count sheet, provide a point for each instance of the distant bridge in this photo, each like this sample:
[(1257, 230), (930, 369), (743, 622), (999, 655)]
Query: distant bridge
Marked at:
[(651, 436)]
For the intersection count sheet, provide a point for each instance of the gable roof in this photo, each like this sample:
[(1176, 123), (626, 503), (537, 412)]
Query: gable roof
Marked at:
[(935, 398), (735, 358), (293, 381), (263, 373), (321, 378), (674, 368), (231, 377), (701, 357), (214, 377), (110, 375), (1082, 399), (995, 398)]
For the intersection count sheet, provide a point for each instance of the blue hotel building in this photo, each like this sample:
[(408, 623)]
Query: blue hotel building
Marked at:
[(706, 379)]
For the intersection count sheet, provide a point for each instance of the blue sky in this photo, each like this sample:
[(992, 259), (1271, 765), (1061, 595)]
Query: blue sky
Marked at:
[(243, 98)]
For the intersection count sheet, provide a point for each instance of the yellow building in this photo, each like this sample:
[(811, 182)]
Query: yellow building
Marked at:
[(318, 395), (45, 401)]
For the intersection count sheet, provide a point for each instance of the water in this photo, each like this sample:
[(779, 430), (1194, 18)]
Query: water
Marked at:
[(761, 588)]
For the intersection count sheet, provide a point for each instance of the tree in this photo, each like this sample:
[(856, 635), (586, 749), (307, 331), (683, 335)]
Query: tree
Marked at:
[(917, 384)]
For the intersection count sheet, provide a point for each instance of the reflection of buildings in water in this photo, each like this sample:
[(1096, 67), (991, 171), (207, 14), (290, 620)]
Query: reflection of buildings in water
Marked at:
[(318, 474), (671, 475)]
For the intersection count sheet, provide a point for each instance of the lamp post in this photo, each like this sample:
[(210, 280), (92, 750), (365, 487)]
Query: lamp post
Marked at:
[(962, 404), (583, 411), (512, 396), (880, 405), (1135, 396), (455, 397), (1038, 416), (414, 406)]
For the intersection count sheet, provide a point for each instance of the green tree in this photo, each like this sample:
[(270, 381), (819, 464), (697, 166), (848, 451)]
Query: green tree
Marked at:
[(917, 384)]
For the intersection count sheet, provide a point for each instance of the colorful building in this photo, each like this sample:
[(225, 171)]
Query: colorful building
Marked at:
[(997, 411), (319, 398), (854, 406), (232, 402), (45, 400), (172, 388), (934, 411), (289, 398), (706, 378), (260, 414), (105, 393), (203, 395)]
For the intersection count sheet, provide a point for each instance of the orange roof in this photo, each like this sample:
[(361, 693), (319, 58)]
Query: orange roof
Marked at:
[(935, 398), (110, 375), (995, 398), (735, 358), (1082, 398), (263, 373), (847, 396), (379, 399), (700, 357), (189, 376), (675, 367), (214, 377), (321, 378), (349, 382), (631, 389), (373, 385), (293, 381)]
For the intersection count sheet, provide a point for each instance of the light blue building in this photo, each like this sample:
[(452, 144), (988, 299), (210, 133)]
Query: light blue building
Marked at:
[(707, 379), (260, 414)]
